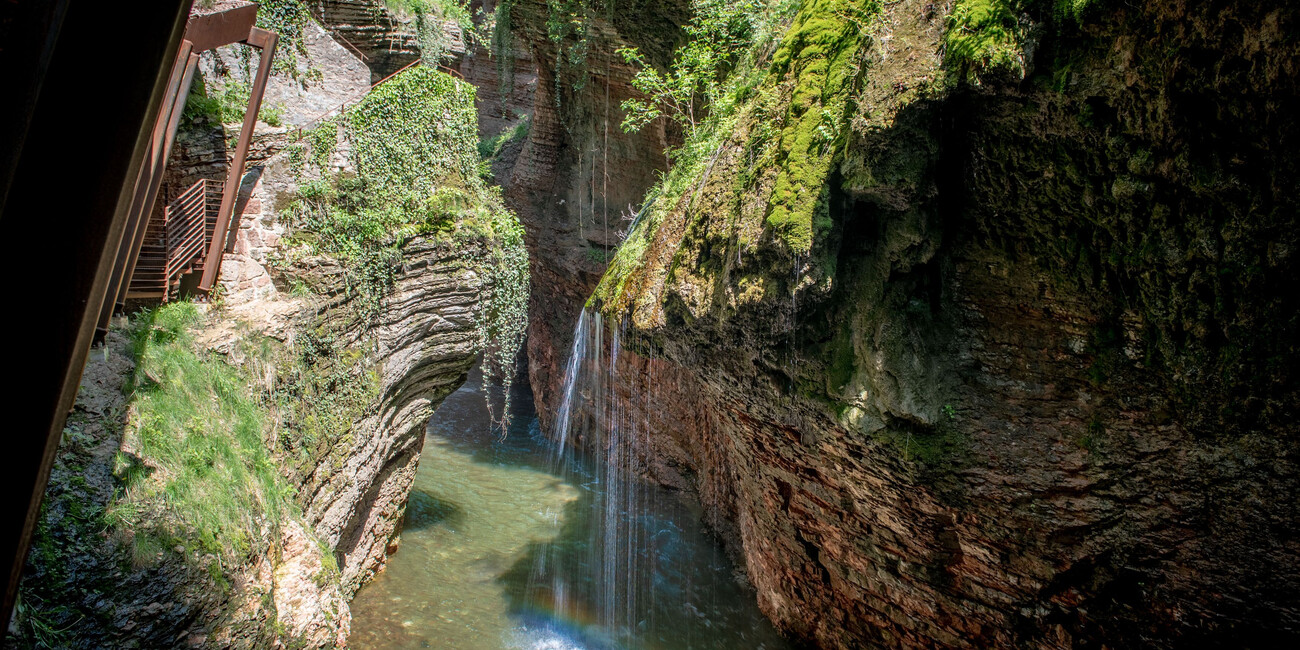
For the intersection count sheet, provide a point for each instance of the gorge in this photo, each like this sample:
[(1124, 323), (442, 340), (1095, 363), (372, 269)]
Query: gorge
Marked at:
[(707, 324)]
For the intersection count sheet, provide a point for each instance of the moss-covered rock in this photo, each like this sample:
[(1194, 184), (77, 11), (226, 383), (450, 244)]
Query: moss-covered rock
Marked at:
[(1040, 344)]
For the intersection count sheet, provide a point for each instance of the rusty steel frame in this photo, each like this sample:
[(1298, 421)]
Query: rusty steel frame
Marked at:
[(149, 182), (266, 41), (173, 122), (202, 32), (208, 31)]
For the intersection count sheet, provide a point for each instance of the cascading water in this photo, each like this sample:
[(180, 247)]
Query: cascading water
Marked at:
[(645, 592), (555, 543)]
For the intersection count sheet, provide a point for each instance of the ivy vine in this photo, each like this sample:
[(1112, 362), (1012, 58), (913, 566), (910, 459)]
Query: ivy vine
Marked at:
[(288, 19), (413, 142)]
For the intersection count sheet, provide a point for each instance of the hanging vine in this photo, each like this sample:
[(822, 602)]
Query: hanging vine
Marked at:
[(503, 50)]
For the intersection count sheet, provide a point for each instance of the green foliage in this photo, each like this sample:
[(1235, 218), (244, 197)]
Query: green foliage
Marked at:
[(795, 110), (415, 131), (430, 16), (568, 24), (321, 392), (950, 412), (489, 148), (197, 420), (34, 622), (597, 256), (289, 19), (502, 48), (415, 147), (730, 99), (225, 105), (985, 36), (322, 140), (719, 32)]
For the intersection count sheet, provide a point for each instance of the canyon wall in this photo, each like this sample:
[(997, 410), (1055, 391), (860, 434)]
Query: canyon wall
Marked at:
[(380, 38), (578, 177), (421, 348), (1027, 377)]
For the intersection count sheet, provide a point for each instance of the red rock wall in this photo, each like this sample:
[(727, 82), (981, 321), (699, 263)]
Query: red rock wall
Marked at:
[(1019, 452), (578, 173)]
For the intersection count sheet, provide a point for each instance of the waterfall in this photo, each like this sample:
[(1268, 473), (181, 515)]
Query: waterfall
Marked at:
[(593, 422), (634, 571)]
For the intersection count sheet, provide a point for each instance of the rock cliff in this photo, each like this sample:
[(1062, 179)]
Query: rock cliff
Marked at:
[(578, 177), (1015, 366)]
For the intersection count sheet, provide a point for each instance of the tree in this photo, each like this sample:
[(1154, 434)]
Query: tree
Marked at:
[(718, 32)]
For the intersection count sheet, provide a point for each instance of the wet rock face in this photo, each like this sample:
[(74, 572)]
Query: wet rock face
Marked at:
[(578, 174), (1026, 394)]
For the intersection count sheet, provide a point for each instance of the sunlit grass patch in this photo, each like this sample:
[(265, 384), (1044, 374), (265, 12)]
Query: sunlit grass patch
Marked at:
[(211, 484)]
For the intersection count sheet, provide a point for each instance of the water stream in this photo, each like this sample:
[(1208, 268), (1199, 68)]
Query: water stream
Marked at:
[(522, 543)]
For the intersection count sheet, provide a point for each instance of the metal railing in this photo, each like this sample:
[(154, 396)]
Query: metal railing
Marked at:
[(177, 243), (189, 226)]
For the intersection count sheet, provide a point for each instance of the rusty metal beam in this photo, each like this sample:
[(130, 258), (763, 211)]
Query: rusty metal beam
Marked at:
[(202, 32), (87, 224), (207, 31), (169, 137), (146, 185), (212, 265)]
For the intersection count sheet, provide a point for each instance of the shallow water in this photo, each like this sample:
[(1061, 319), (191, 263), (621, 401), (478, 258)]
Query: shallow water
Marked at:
[(497, 552)]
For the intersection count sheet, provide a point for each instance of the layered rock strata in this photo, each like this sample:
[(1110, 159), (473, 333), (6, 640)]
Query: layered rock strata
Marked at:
[(422, 347), (366, 27)]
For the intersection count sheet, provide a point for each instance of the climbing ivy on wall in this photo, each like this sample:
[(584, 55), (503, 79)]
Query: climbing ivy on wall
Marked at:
[(567, 25), (289, 19), (503, 50), (414, 144), (430, 17)]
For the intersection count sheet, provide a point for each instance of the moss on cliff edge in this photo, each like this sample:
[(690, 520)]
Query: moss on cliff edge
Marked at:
[(819, 54), (785, 108), (989, 36)]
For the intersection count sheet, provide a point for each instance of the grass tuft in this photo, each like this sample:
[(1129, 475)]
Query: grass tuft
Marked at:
[(200, 428)]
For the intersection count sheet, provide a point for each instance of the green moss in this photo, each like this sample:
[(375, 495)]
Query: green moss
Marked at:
[(820, 54), (793, 107), (935, 450), (322, 391), (987, 36)]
